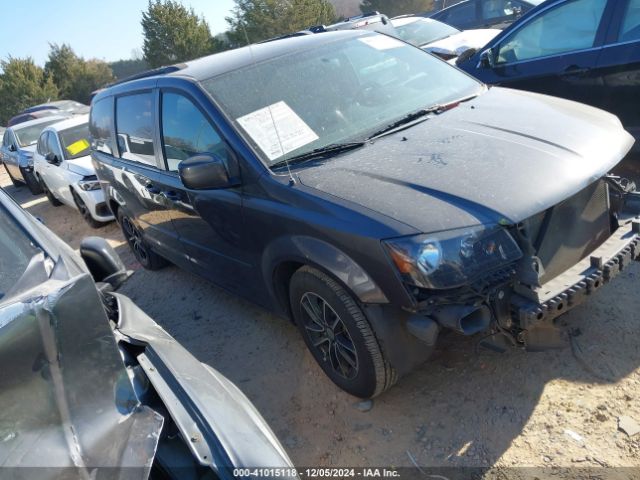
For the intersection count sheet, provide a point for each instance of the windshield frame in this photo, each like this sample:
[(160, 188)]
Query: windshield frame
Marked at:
[(363, 136)]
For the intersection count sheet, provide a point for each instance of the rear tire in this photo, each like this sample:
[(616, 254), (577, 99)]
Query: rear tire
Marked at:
[(338, 334), (50, 196), (140, 248), (16, 183), (32, 182)]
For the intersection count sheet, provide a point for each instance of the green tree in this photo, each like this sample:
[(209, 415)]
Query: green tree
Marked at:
[(393, 8), (89, 76), (257, 20), (74, 76), (173, 34), (23, 84), (126, 68)]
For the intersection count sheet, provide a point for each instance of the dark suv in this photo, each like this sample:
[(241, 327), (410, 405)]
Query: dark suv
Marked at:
[(370, 191)]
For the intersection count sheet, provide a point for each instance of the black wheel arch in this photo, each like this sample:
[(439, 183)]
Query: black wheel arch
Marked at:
[(283, 257)]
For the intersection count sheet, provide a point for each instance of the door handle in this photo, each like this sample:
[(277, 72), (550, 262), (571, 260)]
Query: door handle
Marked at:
[(171, 195), (575, 70), (149, 187)]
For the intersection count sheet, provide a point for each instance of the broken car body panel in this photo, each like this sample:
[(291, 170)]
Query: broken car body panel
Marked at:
[(69, 402)]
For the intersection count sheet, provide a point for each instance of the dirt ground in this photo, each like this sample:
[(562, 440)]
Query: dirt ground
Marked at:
[(466, 407)]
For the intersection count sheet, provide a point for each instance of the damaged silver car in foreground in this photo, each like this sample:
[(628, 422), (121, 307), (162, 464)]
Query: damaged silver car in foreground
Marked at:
[(91, 387)]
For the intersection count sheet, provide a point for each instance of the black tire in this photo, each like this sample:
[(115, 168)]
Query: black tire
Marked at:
[(16, 183), (85, 212), (31, 181), (52, 199), (350, 354), (140, 248)]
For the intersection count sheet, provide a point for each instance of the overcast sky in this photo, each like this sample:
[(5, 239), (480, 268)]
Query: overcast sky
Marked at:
[(108, 30)]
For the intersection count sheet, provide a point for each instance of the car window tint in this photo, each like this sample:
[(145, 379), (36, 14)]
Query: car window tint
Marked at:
[(100, 124), (134, 128), (186, 131), (631, 23), (497, 9), (52, 146), (461, 14), (16, 250), (569, 27)]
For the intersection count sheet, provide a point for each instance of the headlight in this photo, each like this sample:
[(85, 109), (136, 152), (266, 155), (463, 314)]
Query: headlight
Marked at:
[(28, 156), (453, 258), (89, 183)]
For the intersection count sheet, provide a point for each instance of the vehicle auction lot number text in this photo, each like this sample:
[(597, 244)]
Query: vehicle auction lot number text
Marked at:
[(316, 472)]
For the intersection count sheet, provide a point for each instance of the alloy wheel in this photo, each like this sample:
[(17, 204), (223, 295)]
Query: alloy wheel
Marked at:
[(329, 335), (134, 239)]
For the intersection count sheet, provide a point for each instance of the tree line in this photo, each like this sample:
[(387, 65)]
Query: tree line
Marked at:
[(172, 33)]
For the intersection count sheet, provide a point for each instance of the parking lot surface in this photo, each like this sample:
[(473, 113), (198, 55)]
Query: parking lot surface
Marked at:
[(466, 407)]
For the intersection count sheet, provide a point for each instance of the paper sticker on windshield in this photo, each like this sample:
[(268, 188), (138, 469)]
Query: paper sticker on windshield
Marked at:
[(277, 129), (382, 42), (76, 147)]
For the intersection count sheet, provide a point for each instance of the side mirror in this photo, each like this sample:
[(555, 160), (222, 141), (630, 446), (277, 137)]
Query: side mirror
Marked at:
[(12, 148), (486, 59), (103, 262), (204, 172), (51, 158)]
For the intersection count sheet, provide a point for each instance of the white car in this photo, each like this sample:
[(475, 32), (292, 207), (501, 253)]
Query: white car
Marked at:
[(439, 38), (62, 165)]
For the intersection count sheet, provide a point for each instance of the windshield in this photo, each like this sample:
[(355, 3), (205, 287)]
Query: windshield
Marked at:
[(75, 141), (333, 93), (424, 30), (26, 136)]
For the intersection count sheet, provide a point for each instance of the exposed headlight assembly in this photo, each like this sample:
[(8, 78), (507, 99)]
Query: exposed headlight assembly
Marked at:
[(452, 258), (89, 183)]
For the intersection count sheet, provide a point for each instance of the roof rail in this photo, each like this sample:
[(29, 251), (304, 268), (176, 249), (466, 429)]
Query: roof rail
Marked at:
[(149, 73)]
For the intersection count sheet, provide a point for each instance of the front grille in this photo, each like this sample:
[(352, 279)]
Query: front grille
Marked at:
[(571, 230)]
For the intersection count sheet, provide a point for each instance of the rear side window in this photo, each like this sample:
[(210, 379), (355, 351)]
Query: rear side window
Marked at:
[(134, 128), (572, 26), (100, 125), (186, 131), (631, 23)]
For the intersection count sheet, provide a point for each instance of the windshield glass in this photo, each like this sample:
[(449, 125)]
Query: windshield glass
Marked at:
[(424, 30), (75, 141), (334, 92), (26, 136)]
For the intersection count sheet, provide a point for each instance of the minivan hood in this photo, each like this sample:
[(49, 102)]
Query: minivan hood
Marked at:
[(81, 166), (501, 157)]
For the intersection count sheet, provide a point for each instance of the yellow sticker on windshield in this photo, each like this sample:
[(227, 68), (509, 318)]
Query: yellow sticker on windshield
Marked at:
[(76, 147)]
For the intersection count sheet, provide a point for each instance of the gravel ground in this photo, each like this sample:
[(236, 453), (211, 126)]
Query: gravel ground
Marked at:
[(466, 407)]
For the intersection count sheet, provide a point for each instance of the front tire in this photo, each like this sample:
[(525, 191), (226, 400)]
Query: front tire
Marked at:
[(32, 182), (143, 253), (16, 183), (338, 334), (85, 212)]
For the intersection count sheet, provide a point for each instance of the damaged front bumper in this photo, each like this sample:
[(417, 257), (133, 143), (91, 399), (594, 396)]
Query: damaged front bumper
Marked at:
[(533, 306)]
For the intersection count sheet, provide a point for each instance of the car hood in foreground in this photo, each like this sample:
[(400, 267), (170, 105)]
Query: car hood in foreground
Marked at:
[(81, 166), (456, 44), (499, 158)]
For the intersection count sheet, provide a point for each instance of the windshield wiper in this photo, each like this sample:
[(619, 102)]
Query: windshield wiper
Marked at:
[(321, 152), (412, 117), (408, 119)]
